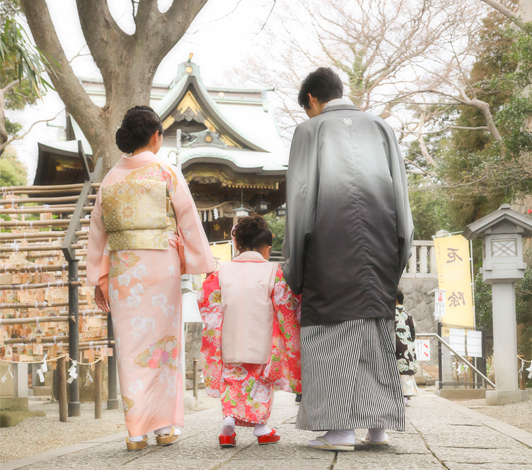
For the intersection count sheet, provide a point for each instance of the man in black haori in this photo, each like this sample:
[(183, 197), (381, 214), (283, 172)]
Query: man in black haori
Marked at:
[(348, 238)]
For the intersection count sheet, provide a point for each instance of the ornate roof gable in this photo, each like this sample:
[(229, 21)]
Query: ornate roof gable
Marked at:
[(188, 105)]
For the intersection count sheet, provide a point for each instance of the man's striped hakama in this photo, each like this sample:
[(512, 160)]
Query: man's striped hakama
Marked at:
[(350, 378)]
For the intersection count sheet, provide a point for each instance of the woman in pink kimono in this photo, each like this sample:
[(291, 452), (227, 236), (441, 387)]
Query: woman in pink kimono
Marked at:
[(250, 340), (144, 233)]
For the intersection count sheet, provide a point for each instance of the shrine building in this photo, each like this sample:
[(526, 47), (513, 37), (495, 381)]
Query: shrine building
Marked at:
[(224, 140)]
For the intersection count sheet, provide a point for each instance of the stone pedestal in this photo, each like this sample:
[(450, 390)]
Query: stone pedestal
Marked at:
[(504, 397), (20, 379), (447, 363), (7, 387), (15, 409)]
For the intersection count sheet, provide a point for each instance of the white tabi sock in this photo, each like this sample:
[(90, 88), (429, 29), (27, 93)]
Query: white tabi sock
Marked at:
[(261, 430), (228, 428), (340, 436), (337, 437), (137, 438), (167, 430), (377, 435)]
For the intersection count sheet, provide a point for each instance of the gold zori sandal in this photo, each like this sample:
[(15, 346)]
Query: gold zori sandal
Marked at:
[(167, 439), (137, 445)]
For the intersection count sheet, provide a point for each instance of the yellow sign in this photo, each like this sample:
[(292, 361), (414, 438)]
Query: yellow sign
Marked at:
[(220, 252), (454, 275)]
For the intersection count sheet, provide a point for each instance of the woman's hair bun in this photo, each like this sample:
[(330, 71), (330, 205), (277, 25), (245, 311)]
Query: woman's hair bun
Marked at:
[(252, 233), (125, 140), (137, 127)]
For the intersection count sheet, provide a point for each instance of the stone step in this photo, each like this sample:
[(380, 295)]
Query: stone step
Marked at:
[(12, 418)]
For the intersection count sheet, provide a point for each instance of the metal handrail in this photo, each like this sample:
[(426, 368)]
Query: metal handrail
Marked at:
[(69, 246), (462, 358)]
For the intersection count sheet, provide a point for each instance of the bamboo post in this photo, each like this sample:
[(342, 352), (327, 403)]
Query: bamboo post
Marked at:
[(98, 391), (62, 392), (195, 378)]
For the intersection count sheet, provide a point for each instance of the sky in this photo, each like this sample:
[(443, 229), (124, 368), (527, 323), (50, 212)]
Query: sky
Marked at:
[(221, 36)]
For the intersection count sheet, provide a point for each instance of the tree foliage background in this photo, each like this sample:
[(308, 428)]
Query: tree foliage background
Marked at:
[(22, 67)]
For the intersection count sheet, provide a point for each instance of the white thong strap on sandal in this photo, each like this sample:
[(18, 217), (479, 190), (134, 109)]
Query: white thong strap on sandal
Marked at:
[(326, 445)]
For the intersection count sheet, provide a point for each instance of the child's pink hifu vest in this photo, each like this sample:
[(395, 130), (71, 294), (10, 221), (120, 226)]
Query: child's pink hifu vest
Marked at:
[(247, 283)]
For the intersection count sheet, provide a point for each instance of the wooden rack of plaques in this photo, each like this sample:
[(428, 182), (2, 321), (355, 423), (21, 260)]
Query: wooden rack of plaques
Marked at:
[(46, 308)]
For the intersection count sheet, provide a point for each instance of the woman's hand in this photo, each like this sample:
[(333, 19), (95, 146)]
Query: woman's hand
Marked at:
[(103, 305)]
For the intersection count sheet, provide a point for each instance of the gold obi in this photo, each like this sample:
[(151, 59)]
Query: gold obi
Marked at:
[(137, 215)]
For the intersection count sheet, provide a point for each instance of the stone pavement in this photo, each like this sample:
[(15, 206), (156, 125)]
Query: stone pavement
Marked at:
[(440, 435)]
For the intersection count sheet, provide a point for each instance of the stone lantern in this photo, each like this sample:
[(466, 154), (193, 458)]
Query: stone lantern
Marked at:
[(502, 235)]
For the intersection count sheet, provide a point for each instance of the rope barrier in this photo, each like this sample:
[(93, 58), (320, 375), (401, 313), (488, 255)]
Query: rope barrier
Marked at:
[(52, 360)]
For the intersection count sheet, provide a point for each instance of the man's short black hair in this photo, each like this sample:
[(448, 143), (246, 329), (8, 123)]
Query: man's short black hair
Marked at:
[(323, 84), (400, 296)]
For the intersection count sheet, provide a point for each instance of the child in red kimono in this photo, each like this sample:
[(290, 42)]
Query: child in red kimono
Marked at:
[(250, 342)]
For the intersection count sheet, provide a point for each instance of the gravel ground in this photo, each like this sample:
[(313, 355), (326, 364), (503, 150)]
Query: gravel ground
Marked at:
[(516, 414), (36, 435)]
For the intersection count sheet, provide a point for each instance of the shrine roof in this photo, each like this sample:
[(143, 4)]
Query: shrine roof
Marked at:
[(522, 222), (241, 120), (241, 114), (242, 161)]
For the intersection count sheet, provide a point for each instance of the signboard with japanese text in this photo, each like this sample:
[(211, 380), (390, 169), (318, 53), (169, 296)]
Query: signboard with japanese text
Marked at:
[(454, 276), (439, 305), (422, 349)]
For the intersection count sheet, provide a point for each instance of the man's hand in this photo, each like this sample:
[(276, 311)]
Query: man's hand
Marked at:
[(103, 305)]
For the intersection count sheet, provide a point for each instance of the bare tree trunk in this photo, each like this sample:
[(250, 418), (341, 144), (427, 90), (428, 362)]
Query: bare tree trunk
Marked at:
[(127, 62)]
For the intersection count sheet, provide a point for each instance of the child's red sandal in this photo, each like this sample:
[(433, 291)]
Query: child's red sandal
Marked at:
[(227, 441), (271, 438)]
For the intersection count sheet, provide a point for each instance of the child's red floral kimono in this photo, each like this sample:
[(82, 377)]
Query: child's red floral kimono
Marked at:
[(246, 390)]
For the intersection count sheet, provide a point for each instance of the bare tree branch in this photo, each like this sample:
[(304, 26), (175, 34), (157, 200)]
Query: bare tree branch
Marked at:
[(65, 82), (101, 34), (443, 129), (267, 18), (9, 87), (177, 20), (428, 173), (421, 140), (514, 17), (79, 54), (19, 137)]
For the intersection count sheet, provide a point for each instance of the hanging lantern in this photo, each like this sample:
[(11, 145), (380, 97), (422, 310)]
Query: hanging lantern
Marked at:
[(262, 206), (242, 212), (281, 211)]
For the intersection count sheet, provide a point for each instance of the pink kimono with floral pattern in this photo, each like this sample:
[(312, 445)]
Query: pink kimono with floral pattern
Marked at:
[(144, 292), (246, 390)]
